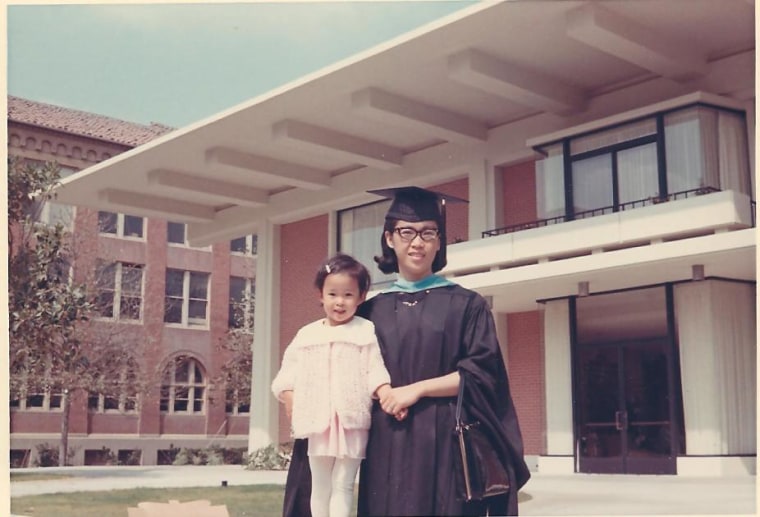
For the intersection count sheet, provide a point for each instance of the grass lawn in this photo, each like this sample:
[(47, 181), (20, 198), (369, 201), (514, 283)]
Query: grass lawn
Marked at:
[(258, 500)]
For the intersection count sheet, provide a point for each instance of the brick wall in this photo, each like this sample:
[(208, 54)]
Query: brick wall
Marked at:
[(303, 248), (526, 376), (519, 183)]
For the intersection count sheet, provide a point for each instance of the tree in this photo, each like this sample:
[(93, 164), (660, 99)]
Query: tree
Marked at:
[(56, 349), (237, 348)]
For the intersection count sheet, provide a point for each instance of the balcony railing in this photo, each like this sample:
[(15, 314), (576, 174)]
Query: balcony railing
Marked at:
[(630, 205)]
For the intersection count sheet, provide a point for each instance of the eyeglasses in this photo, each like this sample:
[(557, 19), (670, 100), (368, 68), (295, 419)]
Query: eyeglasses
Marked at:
[(409, 234)]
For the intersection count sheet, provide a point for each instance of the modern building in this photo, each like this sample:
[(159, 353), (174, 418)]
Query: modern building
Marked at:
[(168, 300), (607, 153)]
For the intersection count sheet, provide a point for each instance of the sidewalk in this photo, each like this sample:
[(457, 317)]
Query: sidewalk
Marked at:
[(574, 494)]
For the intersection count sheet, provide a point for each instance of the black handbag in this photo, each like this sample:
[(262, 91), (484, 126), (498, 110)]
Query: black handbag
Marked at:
[(480, 473)]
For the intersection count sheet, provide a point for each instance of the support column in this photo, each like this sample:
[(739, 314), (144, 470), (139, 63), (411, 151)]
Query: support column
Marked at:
[(263, 423), (559, 389), (486, 207)]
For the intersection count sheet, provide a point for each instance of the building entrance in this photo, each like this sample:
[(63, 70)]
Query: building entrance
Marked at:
[(626, 403), (624, 409)]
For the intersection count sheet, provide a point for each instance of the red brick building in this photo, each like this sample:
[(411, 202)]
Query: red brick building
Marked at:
[(168, 298)]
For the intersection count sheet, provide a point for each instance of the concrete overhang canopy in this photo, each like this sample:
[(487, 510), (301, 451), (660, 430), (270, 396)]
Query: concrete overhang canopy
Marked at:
[(423, 108)]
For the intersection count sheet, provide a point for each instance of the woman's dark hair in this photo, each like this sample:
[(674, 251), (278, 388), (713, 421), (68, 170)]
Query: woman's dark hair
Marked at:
[(388, 263), (342, 263)]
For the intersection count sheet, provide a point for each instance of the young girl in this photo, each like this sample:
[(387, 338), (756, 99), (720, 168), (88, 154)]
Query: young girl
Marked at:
[(330, 372)]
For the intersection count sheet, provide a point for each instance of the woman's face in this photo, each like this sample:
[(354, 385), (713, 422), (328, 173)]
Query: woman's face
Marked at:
[(415, 245)]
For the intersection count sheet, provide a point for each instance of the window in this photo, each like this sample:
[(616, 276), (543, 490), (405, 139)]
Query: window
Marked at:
[(48, 400), (687, 151), (237, 401), (52, 213), (247, 245), (120, 225), (183, 387), (359, 232), (122, 397), (186, 297), (175, 233), (242, 302), (120, 290)]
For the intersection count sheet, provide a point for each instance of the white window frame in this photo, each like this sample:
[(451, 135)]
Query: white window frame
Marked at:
[(250, 249), (191, 385), (122, 407), (118, 291), (186, 320), (119, 234)]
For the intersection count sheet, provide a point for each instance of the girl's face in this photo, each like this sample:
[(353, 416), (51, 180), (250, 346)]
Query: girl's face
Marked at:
[(340, 297), (414, 254)]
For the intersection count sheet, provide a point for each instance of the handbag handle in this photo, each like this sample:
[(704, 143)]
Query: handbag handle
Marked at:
[(460, 396)]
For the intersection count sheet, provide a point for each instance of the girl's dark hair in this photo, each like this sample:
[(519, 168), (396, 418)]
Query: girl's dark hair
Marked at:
[(388, 263), (342, 263)]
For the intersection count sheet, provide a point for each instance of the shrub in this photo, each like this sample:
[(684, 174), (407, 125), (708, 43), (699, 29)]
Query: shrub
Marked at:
[(47, 455), (271, 457)]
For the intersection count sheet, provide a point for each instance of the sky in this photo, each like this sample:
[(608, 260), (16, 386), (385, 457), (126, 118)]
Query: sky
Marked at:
[(176, 64)]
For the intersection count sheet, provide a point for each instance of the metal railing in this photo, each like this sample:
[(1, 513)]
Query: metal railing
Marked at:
[(630, 205)]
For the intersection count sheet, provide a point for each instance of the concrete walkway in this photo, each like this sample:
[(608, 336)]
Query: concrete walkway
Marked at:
[(575, 494)]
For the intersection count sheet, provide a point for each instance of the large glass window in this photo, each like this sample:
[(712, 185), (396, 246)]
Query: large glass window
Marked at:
[(120, 225), (183, 389), (689, 151), (186, 297), (360, 230)]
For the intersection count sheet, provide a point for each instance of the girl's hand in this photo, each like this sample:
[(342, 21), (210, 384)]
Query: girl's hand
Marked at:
[(402, 414), (287, 399)]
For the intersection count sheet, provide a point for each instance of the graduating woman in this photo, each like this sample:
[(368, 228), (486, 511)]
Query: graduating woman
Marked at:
[(433, 334)]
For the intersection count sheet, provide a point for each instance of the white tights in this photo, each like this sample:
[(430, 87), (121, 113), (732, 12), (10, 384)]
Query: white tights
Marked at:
[(332, 485)]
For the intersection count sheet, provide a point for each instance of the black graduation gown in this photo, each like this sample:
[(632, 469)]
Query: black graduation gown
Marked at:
[(409, 467)]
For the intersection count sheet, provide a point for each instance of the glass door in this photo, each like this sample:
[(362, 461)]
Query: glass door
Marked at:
[(624, 409)]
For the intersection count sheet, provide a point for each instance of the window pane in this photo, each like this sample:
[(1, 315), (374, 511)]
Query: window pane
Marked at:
[(550, 184), (238, 245), (198, 285), (198, 400), (627, 315), (105, 303), (254, 244), (181, 372), (56, 400), (133, 226), (637, 173), (197, 374), (197, 310), (360, 230), (176, 233), (110, 403), (690, 150), (592, 183), (131, 279), (107, 222), (36, 400), (93, 402), (174, 281), (130, 307), (613, 136), (173, 310)]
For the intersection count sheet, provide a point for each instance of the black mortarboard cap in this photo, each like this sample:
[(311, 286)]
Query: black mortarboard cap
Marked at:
[(416, 204)]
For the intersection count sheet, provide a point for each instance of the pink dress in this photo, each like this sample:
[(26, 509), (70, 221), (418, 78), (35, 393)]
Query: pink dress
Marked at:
[(335, 440)]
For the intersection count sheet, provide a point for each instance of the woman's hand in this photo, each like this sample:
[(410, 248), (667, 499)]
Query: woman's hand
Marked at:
[(397, 400), (287, 398)]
